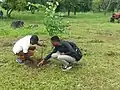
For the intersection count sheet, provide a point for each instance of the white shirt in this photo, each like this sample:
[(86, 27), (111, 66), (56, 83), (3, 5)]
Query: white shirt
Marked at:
[(22, 45)]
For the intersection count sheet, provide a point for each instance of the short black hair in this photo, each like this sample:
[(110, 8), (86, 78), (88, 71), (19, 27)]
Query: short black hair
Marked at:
[(55, 38), (34, 38)]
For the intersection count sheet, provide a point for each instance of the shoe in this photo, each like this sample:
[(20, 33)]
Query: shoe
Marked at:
[(66, 68), (19, 61)]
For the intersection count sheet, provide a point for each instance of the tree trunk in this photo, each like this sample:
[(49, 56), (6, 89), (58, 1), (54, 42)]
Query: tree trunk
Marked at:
[(109, 3), (68, 12), (9, 12), (75, 10), (99, 8)]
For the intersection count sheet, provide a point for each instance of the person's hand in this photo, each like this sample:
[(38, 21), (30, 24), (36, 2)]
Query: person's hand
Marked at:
[(40, 63)]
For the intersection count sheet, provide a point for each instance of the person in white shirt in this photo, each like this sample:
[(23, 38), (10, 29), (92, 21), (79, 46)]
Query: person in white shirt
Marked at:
[(24, 48)]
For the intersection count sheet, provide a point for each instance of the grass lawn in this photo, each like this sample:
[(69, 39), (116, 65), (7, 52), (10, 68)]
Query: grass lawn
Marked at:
[(99, 69)]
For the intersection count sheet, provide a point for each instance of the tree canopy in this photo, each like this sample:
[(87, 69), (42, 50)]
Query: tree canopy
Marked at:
[(11, 5), (64, 5)]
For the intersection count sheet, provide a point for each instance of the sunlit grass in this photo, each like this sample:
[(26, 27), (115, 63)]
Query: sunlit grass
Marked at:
[(98, 69)]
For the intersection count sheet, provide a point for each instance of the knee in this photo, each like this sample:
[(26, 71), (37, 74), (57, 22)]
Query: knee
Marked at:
[(54, 55), (60, 57)]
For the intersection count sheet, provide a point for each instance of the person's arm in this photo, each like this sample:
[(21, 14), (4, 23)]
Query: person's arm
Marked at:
[(25, 48), (26, 56), (39, 44), (25, 51), (47, 57), (70, 48)]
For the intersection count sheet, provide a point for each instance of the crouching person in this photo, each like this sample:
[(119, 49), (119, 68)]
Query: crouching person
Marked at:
[(66, 52), (25, 47)]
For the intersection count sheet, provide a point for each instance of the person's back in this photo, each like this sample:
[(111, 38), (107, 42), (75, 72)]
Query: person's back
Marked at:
[(77, 49), (22, 44)]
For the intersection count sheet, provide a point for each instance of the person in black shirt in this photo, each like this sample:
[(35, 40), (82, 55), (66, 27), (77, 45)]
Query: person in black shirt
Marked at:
[(66, 52)]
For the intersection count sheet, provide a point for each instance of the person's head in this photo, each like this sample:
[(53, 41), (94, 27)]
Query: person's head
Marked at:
[(55, 40), (34, 39)]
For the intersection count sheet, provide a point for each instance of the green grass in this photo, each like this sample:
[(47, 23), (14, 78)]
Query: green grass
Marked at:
[(98, 69)]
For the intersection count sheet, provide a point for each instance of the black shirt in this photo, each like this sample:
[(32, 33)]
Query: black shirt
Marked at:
[(65, 48)]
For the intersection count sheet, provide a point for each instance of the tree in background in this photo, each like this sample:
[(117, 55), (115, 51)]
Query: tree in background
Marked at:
[(110, 5), (64, 5), (75, 5), (11, 5)]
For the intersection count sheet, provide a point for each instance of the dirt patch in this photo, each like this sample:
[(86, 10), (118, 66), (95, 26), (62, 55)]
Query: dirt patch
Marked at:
[(34, 62)]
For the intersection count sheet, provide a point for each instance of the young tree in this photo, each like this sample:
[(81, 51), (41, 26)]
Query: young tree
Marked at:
[(54, 23)]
